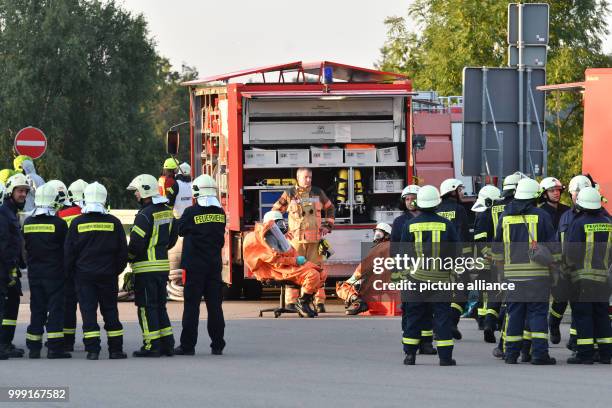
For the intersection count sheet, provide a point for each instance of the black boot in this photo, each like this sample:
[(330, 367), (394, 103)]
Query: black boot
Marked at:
[(545, 360), (303, 305), (167, 351), (216, 352), (511, 359), (3, 354), (182, 351), (146, 353), (481, 323), (356, 307), (427, 348), (57, 355), (410, 359), (489, 335), (116, 355), (578, 360), (93, 355), (321, 308), (448, 362), (34, 354), (555, 333), (15, 352)]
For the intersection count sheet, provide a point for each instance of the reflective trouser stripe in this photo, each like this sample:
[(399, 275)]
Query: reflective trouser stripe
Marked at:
[(539, 335), (445, 343), (69, 331), (458, 307), (8, 322), (513, 338), (584, 342), (526, 335), (426, 333), (493, 312), (410, 341), (166, 331), (482, 311), (91, 334), (604, 340), (114, 333), (33, 337), (573, 332), (555, 314), (55, 335)]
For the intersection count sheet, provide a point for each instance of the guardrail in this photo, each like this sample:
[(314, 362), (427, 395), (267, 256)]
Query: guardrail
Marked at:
[(125, 216)]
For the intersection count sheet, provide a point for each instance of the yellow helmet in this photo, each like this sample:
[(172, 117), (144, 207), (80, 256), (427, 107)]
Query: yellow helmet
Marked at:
[(5, 174), (19, 160), (145, 184), (170, 164)]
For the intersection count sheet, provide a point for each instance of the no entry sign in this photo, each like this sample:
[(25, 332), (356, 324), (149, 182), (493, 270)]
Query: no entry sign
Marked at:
[(31, 141)]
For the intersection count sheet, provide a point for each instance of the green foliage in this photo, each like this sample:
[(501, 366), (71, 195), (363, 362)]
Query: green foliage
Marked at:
[(87, 74), (450, 34)]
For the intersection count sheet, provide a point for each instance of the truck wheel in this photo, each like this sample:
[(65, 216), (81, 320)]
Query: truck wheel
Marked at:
[(252, 289)]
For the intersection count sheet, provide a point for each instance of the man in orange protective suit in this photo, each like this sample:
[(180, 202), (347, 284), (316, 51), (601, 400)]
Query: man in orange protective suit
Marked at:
[(269, 255), (351, 290)]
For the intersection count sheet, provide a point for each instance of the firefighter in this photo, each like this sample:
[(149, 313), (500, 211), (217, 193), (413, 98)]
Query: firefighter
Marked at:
[(68, 214), (203, 228), (487, 213), (11, 258), (522, 226), (551, 197), (44, 235), (311, 218), (95, 253), (183, 197), (167, 181), (408, 198), (451, 208), (350, 290), (270, 256), (437, 237), (3, 279), (25, 165), (587, 249), (558, 307), (150, 238)]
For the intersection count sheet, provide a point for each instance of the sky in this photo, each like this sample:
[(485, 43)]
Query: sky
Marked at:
[(228, 35)]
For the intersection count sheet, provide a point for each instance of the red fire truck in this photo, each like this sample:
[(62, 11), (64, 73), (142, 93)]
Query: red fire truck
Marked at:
[(251, 130)]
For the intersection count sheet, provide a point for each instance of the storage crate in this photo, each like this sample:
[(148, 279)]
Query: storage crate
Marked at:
[(387, 155), (326, 156), (386, 216), (360, 157), (389, 186), (293, 157), (260, 157)]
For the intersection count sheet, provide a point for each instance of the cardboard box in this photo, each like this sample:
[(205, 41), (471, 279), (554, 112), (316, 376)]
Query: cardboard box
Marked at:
[(387, 155), (260, 157), (326, 156), (293, 157), (389, 186), (360, 157)]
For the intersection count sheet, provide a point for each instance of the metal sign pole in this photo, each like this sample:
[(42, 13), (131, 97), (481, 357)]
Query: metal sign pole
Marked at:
[(520, 69)]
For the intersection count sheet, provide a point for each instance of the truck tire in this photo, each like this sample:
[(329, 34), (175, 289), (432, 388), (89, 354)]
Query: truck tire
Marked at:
[(252, 289)]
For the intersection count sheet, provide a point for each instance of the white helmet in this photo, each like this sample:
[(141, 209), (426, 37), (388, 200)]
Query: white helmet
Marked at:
[(17, 180), (550, 182), (272, 215), (411, 189), (527, 189), (62, 192), (512, 180), (589, 199), (75, 191), (46, 196), (428, 197), (185, 168), (95, 193), (384, 227), (2, 191), (486, 196), (204, 186), (450, 185), (145, 184), (579, 182)]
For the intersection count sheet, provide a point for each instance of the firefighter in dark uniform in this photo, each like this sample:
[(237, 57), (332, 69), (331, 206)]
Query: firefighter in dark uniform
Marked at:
[(451, 191), (44, 235), (428, 235), (11, 258), (95, 253), (558, 307), (486, 208), (588, 250), (151, 236), (68, 214), (520, 227), (203, 228)]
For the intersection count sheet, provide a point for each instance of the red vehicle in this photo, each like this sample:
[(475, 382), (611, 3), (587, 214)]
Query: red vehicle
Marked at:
[(251, 130)]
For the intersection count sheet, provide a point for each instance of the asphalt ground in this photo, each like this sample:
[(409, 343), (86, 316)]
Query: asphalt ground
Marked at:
[(292, 362)]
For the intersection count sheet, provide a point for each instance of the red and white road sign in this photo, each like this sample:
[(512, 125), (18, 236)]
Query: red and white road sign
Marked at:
[(31, 141)]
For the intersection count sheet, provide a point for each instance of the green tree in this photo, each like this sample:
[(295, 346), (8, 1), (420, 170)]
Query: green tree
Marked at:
[(86, 73), (451, 34)]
